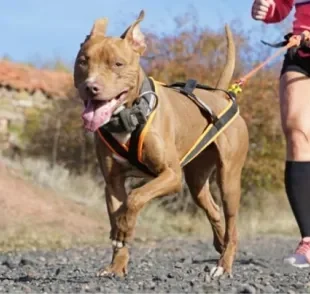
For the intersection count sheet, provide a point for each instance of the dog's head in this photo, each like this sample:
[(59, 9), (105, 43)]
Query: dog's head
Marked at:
[(106, 71)]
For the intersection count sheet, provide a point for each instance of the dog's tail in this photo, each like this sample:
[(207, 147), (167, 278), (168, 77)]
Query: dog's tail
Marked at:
[(225, 78)]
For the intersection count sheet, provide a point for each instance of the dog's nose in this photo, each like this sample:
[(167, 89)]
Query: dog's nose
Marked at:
[(92, 88)]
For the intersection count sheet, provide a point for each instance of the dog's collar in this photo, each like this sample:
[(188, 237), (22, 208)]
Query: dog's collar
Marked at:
[(128, 119)]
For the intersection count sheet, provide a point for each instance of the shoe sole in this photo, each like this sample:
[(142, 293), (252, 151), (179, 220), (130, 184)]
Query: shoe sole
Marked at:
[(304, 265)]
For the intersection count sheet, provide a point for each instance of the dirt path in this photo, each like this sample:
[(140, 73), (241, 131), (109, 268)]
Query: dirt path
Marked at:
[(170, 266)]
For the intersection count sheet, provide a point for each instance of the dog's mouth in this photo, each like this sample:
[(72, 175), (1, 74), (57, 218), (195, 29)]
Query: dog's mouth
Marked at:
[(99, 112)]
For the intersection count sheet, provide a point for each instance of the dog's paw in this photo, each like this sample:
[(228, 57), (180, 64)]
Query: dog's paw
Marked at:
[(104, 273), (119, 264), (112, 272), (218, 272)]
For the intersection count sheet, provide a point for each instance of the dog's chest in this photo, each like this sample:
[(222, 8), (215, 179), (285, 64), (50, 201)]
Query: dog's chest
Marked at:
[(121, 138), (120, 160), (130, 170)]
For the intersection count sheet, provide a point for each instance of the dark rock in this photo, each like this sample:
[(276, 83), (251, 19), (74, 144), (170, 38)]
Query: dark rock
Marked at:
[(27, 261), (57, 272), (9, 264), (246, 289)]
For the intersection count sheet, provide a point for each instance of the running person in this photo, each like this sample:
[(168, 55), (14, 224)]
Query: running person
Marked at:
[(295, 116)]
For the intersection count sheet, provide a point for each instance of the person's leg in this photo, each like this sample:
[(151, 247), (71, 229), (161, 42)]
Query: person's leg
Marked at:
[(295, 116)]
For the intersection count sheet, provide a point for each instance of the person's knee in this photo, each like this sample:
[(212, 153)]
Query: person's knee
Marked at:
[(298, 141), (295, 108)]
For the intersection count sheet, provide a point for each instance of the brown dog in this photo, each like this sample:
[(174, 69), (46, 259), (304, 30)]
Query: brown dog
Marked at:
[(109, 78)]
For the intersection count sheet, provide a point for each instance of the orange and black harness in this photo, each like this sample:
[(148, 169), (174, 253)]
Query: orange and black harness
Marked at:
[(135, 120), (138, 119)]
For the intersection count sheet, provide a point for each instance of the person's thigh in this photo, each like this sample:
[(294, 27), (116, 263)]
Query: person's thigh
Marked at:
[(295, 114)]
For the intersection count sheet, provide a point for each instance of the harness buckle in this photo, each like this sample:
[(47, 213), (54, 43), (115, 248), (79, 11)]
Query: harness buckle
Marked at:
[(130, 118), (189, 87)]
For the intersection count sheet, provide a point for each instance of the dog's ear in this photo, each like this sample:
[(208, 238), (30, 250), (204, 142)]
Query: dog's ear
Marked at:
[(99, 28), (134, 35), (86, 39)]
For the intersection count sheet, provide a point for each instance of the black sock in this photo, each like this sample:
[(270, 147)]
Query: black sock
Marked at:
[(297, 184)]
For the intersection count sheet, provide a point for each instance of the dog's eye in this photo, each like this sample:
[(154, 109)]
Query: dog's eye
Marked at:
[(82, 61), (119, 64)]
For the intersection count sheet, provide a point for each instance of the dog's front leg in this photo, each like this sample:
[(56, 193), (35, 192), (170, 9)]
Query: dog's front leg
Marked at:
[(168, 181), (115, 195)]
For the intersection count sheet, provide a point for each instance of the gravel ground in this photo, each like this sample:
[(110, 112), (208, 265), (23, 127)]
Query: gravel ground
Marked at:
[(169, 266)]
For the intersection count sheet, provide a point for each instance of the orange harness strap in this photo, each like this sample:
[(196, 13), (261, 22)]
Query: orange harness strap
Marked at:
[(132, 151)]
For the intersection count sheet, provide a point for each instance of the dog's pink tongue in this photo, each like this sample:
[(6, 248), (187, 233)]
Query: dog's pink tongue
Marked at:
[(95, 117)]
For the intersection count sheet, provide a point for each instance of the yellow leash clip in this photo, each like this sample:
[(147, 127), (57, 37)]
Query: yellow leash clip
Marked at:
[(235, 88)]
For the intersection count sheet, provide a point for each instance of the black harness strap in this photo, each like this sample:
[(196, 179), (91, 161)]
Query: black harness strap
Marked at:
[(218, 123), (217, 126), (188, 88), (130, 154)]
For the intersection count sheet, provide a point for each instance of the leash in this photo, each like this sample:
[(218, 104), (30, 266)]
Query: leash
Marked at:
[(293, 41)]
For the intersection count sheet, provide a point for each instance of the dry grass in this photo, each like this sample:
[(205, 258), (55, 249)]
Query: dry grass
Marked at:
[(263, 214), (83, 189), (267, 214), (46, 236), (36, 217)]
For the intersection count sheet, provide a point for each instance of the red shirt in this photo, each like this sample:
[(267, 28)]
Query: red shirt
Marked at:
[(282, 8)]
